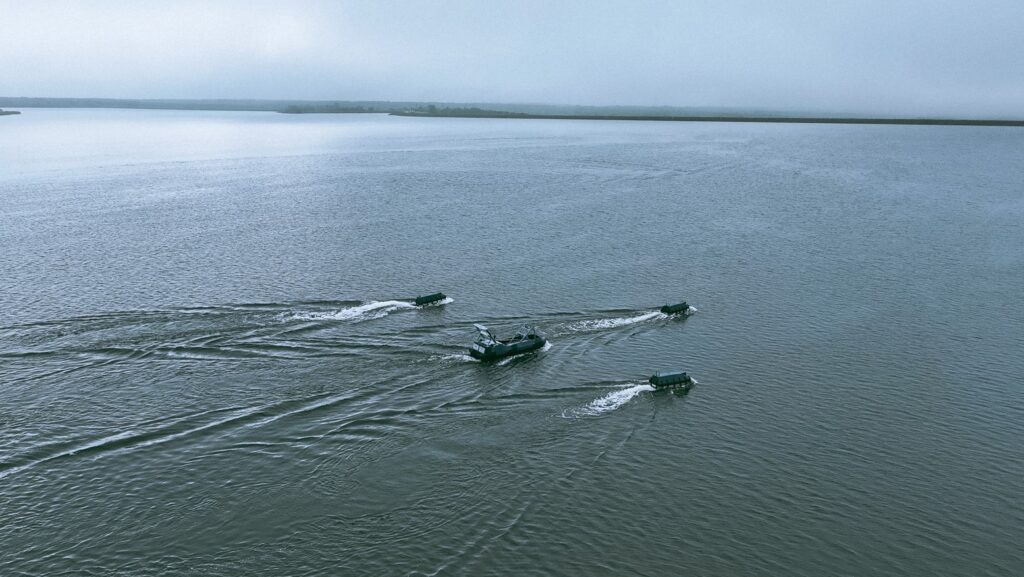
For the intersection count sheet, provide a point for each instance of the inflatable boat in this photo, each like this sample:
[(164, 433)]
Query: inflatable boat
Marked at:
[(489, 348)]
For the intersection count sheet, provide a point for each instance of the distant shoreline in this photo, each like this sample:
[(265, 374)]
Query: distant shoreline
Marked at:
[(492, 110), (769, 119)]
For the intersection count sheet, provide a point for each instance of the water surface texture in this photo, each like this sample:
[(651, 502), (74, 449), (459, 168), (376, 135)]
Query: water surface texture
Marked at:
[(206, 366)]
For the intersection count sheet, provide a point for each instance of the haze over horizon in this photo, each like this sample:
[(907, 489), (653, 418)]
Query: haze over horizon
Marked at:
[(869, 58)]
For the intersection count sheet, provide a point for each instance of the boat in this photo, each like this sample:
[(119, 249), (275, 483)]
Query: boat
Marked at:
[(489, 348), (681, 308), (428, 299), (673, 380)]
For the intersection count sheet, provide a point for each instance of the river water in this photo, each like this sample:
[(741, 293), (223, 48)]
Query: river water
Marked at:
[(207, 367)]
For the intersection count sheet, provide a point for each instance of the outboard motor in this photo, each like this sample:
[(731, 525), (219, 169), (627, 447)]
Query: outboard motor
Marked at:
[(673, 309), (427, 299)]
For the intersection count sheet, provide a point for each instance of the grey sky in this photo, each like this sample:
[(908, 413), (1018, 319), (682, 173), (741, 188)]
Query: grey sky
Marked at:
[(957, 58)]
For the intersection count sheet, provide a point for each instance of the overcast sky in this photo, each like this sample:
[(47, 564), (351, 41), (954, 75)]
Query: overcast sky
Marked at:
[(876, 56)]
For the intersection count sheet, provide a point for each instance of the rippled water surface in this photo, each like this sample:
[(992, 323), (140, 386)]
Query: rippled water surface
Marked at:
[(207, 366)]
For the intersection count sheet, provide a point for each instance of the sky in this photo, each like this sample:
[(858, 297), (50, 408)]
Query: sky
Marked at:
[(868, 56)]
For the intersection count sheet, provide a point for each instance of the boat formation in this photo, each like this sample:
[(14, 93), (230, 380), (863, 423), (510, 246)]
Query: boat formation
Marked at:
[(488, 347)]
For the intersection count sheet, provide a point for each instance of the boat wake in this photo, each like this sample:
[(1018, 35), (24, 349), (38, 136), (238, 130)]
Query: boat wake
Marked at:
[(444, 301), (186, 428), (611, 323), (364, 312), (609, 402), (453, 358), (130, 439)]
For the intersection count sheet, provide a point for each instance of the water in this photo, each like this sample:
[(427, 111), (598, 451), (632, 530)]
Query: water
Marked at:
[(207, 368)]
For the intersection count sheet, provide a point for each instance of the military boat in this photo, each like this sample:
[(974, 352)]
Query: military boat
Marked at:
[(681, 308), (429, 299), (673, 380), (489, 348)]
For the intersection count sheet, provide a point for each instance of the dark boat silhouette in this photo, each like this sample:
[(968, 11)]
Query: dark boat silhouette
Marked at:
[(489, 348), (429, 299), (681, 308), (671, 380)]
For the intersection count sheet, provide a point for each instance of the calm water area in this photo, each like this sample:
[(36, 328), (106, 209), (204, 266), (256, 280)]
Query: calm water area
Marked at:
[(207, 367)]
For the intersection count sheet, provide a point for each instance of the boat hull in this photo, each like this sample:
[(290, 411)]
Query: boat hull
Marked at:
[(681, 308), (428, 299), (677, 379)]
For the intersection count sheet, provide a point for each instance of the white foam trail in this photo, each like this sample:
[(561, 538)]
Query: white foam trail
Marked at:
[(444, 301), (609, 402), (601, 324), (371, 310), (458, 357)]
